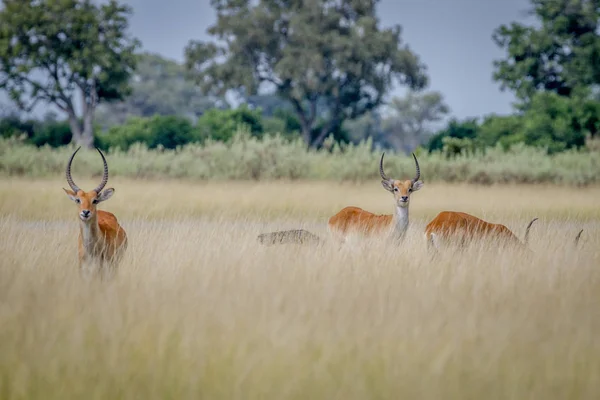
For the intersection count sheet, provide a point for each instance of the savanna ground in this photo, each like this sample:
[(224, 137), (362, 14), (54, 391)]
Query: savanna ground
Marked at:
[(200, 310)]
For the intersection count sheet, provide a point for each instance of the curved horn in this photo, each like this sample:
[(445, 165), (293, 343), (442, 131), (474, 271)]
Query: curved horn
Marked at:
[(526, 239), (416, 178), (74, 187), (383, 176), (104, 174), (578, 237)]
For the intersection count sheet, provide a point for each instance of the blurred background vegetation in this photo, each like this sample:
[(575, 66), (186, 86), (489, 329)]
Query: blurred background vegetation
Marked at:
[(312, 84)]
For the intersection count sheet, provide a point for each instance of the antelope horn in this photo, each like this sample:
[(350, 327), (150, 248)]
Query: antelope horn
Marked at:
[(526, 239), (104, 174), (74, 187), (416, 178), (383, 176)]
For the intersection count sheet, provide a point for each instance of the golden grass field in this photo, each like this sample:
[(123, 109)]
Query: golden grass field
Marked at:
[(199, 310)]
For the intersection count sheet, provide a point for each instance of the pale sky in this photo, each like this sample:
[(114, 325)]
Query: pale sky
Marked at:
[(452, 37)]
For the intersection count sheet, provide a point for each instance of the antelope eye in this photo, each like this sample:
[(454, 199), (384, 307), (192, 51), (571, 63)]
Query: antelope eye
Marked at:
[(409, 190), (77, 201), (95, 201), (395, 189)]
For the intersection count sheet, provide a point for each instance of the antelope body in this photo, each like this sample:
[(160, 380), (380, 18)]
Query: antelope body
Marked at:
[(462, 228), (101, 239), (351, 220)]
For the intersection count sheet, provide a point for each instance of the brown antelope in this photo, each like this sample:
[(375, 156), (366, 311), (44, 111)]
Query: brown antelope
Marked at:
[(351, 220), (101, 239), (461, 228)]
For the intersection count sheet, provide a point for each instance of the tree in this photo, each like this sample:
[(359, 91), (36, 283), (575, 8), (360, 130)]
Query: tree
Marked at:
[(158, 87), (58, 51), (410, 118), (561, 56), (310, 52)]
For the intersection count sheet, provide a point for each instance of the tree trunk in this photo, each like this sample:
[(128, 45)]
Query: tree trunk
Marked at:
[(87, 139), (323, 133), (76, 130)]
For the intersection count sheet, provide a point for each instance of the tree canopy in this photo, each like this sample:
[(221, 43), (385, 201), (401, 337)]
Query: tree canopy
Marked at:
[(562, 55), (73, 54), (158, 87), (409, 120), (309, 52)]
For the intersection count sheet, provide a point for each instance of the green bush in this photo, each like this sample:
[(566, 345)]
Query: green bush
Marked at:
[(467, 129), (554, 122), (217, 124), (40, 133), (246, 157), (158, 131)]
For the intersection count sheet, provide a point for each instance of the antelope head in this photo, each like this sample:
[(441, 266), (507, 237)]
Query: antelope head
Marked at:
[(87, 201), (401, 189)]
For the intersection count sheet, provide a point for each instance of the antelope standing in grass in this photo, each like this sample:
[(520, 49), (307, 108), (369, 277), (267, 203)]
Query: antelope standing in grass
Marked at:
[(102, 241), (352, 220), (461, 228)]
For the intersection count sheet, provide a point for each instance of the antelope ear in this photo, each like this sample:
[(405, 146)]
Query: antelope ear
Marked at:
[(105, 194), (72, 195), (417, 185), (388, 185)]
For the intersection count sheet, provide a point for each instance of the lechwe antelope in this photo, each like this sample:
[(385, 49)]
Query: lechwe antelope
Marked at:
[(102, 240), (355, 220), (459, 228), (352, 220)]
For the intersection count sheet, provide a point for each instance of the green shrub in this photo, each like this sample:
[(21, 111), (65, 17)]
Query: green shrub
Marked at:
[(246, 157), (554, 122), (40, 133), (221, 125), (158, 131), (468, 129)]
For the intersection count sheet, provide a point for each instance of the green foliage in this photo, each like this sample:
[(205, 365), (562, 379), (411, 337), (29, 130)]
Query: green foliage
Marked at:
[(159, 131), (499, 129), (48, 132), (553, 122), (453, 146), (468, 129), (249, 158), (62, 51), (158, 87), (222, 124), (561, 55), (330, 60)]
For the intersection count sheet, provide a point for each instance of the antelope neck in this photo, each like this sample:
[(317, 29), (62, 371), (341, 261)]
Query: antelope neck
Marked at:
[(90, 234), (400, 220)]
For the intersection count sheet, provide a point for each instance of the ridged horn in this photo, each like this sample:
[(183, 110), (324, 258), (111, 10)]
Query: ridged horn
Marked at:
[(416, 178), (104, 174), (74, 187), (383, 176)]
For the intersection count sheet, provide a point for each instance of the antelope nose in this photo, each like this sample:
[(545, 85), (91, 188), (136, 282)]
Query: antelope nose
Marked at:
[(404, 198), (85, 213)]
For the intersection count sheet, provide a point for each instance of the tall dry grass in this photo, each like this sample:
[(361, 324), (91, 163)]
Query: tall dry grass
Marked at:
[(199, 310)]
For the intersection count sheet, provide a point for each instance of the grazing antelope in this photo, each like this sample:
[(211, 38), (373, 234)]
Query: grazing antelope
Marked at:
[(356, 220), (462, 228), (101, 239)]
